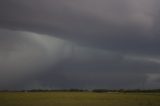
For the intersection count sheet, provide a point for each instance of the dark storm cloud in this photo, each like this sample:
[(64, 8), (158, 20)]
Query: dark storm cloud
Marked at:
[(110, 40), (96, 70), (125, 25)]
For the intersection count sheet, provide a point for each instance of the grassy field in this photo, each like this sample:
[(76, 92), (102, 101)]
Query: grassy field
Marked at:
[(78, 99)]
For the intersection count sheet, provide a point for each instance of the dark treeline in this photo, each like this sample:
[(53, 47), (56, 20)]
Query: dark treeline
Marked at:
[(94, 90), (58, 90), (128, 91), (46, 90)]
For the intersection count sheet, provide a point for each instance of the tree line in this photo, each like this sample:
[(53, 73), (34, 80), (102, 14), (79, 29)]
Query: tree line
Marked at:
[(85, 90)]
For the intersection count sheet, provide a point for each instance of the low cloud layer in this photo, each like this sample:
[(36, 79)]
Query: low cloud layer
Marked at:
[(79, 44)]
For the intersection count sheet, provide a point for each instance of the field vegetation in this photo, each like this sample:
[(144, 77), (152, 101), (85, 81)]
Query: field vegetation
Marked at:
[(79, 99)]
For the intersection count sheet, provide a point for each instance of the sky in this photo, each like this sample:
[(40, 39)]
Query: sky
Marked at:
[(85, 44)]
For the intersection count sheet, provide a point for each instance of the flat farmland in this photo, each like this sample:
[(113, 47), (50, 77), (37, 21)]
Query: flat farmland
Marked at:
[(78, 99)]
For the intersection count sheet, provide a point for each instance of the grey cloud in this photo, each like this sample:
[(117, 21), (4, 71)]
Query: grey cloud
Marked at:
[(126, 26), (99, 70), (78, 38), (23, 54)]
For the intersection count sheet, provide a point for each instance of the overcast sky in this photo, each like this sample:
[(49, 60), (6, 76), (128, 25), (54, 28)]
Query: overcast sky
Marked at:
[(59, 44)]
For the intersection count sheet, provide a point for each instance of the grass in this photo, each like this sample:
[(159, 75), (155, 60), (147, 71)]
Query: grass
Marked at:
[(78, 99)]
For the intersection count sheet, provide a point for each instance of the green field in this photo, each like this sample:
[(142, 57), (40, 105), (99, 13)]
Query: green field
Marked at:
[(78, 99)]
